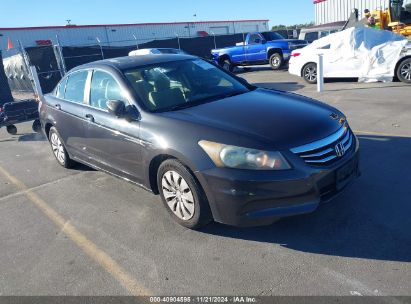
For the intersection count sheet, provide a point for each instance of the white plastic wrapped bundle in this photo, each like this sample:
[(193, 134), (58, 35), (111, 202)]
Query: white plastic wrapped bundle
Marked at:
[(366, 53)]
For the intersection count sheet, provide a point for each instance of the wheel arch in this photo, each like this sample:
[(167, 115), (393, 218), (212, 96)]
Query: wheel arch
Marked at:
[(302, 69), (47, 128), (223, 57), (274, 50), (153, 169), (399, 62), (158, 159)]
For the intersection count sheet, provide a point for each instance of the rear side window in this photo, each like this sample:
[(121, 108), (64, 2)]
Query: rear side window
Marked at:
[(312, 36), (75, 87)]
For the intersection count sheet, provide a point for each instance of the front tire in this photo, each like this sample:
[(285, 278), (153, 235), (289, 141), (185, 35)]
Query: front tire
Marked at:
[(276, 61), (227, 65), (182, 195), (309, 73), (404, 71), (59, 151)]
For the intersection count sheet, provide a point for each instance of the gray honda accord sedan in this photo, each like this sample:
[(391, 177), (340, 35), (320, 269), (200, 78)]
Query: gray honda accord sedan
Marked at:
[(211, 145)]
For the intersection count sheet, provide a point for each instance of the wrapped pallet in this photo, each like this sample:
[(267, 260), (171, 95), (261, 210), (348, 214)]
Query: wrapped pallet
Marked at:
[(5, 93)]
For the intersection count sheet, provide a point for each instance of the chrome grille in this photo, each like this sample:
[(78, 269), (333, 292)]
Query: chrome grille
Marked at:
[(324, 151)]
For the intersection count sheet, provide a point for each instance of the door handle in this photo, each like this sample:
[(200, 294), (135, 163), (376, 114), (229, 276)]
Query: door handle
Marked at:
[(90, 117), (57, 106)]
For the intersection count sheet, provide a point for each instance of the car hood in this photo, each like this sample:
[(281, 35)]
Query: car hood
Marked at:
[(283, 120)]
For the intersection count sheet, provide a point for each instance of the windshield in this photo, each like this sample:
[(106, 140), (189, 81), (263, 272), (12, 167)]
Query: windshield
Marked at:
[(270, 36), (401, 11), (181, 84)]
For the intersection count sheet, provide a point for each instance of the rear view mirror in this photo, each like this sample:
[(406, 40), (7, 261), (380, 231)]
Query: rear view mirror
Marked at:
[(116, 107), (263, 41)]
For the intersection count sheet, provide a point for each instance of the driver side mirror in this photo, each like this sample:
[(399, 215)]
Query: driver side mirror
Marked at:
[(263, 41), (116, 107)]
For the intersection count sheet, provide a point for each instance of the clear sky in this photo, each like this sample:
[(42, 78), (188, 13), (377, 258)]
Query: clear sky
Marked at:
[(22, 13)]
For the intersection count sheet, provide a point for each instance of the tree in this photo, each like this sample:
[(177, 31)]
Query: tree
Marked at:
[(285, 27)]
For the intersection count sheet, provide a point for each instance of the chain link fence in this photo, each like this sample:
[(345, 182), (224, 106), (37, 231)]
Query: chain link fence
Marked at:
[(54, 60)]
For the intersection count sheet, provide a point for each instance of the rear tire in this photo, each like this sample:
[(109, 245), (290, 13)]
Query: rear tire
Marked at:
[(309, 73), (404, 71), (182, 195), (276, 61), (12, 130), (36, 126), (58, 149)]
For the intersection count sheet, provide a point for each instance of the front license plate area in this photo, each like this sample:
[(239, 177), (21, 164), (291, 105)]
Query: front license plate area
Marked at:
[(346, 174)]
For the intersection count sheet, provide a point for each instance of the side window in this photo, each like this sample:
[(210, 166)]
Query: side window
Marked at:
[(104, 88), (75, 87), (311, 36), (255, 39), (325, 47), (324, 34), (61, 88)]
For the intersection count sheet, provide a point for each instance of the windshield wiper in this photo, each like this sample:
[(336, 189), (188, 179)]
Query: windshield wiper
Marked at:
[(181, 106), (203, 100), (231, 94)]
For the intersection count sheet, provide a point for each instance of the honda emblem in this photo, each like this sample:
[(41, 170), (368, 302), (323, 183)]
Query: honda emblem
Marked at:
[(340, 149)]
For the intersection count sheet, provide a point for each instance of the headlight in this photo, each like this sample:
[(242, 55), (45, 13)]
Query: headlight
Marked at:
[(243, 158)]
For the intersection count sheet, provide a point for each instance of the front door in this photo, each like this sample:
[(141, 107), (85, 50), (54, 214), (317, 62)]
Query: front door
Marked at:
[(256, 50), (112, 143)]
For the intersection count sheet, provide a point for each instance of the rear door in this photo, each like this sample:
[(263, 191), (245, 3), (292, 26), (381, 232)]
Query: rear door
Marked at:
[(66, 111), (112, 143)]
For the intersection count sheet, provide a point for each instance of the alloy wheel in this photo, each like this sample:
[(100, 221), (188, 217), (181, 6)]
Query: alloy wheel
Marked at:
[(275, 62), (58, 148), (178, 195), (310, 73), (406, 71)]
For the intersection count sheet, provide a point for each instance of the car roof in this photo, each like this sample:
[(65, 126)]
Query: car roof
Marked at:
[(129, 62)]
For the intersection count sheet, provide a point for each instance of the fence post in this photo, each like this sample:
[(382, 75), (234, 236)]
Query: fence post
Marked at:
[(178, 40), (25, 57), (135, 38), (320, 73), (60, 60), (101, 48), (215, 42), (36, 83)]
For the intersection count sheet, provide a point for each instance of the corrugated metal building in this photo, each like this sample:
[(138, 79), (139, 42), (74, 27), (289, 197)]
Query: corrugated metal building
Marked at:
[(124, 34), (327, 11)]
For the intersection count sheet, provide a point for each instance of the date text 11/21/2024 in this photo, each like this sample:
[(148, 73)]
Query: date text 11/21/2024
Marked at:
[(203, 299)]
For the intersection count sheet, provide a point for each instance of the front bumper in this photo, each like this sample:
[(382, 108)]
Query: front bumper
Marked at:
[(244, 198)]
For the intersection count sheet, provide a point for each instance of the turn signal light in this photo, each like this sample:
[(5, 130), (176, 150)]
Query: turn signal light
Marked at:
[(295, 54)]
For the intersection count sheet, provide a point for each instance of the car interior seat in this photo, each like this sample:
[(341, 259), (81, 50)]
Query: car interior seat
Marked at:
[(98, 98), (142, 87), (164, 96)]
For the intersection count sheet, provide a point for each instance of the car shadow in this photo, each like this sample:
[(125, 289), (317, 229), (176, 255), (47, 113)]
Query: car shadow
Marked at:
[(257, 68), (283, 86), (31, 137), (370, 219)]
